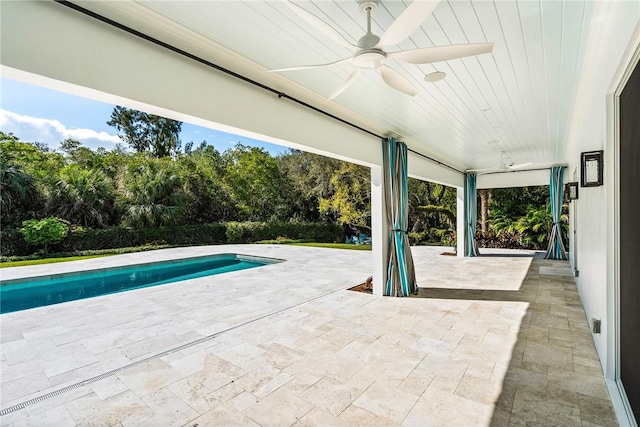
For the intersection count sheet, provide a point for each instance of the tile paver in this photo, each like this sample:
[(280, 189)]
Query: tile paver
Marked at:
[(487, 341)]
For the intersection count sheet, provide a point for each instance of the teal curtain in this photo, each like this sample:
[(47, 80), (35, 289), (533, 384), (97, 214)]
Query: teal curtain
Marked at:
[(555, 250), (401, 276), (471, 214)]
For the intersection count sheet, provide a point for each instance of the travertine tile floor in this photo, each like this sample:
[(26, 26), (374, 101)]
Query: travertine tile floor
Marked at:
[(487, 341)]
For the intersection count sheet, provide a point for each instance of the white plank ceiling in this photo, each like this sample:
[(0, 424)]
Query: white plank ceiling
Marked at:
[(517, 99)]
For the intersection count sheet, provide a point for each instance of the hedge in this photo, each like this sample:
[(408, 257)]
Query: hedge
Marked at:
[(249, 232), (12, 242)]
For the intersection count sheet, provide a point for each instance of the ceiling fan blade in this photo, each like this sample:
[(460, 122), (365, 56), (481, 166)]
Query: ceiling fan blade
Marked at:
[(409, 21), (306, 67), (485, 170), (346, 84), (428, 55), (397, 81), (321, 26), (520, 165)]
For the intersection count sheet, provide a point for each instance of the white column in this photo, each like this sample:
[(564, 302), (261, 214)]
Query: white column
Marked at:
[(460, 222), (379, 231)]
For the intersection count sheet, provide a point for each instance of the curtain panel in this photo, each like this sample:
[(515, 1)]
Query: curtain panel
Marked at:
[(555, 250), (401, 276), (471, 211)]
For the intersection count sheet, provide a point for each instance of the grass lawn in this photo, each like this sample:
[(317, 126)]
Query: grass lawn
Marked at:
[(47, 260), (336, 246)]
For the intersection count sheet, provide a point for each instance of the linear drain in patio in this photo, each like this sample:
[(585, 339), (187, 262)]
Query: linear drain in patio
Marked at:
[(91, 380)]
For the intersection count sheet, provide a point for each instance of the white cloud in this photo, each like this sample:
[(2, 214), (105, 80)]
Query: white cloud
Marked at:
[(52, 132)]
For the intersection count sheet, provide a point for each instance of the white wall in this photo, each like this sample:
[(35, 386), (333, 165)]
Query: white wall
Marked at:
[(613, 26), (513, 179)]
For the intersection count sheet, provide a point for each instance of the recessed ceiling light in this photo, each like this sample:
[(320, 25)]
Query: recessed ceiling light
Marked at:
[(486, 109), (435, 76)]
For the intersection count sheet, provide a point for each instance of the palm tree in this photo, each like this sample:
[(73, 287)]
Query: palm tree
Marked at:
[(84, 197), (152, 192), (16, 186)]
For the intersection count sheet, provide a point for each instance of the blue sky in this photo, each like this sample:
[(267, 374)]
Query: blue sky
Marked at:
[(36, 114)]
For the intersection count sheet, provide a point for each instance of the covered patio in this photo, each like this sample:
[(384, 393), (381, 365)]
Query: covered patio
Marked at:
[(550, 89), (487, 341)]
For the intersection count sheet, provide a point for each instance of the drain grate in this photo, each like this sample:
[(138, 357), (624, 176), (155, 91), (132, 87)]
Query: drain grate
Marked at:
[(92, 380)]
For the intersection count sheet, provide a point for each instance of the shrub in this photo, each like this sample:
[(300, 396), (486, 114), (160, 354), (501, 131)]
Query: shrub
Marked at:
[(249, 232), (234, 232), (120, 237), (85, 239), (44, 232)]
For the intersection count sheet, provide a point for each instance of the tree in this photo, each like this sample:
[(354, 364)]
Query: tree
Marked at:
[(206, 198), (484, 208), (36, 159), (432, 212), (77, 154), (310, 178), (151, 192), (44, 232), (519, 216), (351, 199), (147, 132), (17, 190), (256, 184), (81, 196)]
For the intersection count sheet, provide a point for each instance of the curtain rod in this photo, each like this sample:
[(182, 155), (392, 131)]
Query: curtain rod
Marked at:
[(229, 72)]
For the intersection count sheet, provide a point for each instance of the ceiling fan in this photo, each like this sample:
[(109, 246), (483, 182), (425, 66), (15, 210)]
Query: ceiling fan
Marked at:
[(506, 165), (369, 52)]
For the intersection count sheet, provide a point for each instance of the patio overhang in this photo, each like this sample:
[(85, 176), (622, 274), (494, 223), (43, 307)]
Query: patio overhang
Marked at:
[(546, 94)]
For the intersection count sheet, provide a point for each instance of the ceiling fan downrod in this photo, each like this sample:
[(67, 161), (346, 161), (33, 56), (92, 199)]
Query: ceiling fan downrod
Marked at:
[(369, 40)]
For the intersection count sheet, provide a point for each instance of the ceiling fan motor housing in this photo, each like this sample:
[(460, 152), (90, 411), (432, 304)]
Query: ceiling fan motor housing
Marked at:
[(369, 58)]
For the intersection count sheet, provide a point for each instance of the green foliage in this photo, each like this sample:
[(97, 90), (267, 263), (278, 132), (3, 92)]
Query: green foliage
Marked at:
[(533, 228), (36, 160), (515, 202), (310, 176), (256, 184), (44, 232), (145, 132), (83, 197), (81, 240), (519, 218), (206, 198), (17, 190), (350, 202), (282, 241), (249, 232), (446, 213), (432, 213), (122, 237), (143, 197), (151, 192), (234, 232)]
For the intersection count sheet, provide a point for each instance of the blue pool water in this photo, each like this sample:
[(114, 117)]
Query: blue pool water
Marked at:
[(21, 294)]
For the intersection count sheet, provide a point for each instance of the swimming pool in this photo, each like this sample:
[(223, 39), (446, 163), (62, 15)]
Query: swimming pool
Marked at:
[(21, 294)]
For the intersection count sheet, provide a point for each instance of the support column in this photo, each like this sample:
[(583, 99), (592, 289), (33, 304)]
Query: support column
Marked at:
[(379, 231), (461, 229)]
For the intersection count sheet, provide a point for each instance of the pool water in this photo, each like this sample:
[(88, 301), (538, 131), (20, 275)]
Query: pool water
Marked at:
[(21, 294)]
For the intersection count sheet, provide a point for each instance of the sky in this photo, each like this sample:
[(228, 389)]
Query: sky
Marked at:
[(36, 114)]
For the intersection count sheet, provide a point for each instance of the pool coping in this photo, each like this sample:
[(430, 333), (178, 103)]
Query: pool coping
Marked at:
[(240, 257)]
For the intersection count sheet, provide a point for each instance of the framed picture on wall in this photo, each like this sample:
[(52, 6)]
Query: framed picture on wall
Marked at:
[(591, 168), (571, 191)]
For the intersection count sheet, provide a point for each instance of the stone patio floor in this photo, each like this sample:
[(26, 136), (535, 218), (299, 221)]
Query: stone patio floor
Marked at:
[(487, 341)]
